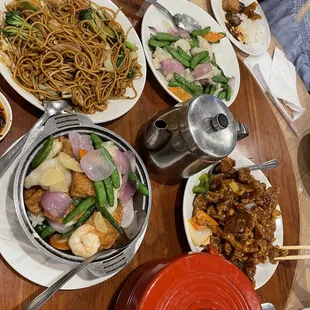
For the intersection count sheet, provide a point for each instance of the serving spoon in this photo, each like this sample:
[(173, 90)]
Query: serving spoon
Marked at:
[(51, 108), (180, 21)]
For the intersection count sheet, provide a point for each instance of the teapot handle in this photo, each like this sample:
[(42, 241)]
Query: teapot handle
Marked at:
[(242, 131)]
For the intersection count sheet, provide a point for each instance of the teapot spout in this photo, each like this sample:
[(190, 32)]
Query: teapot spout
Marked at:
[(157, 135), (242, 131)]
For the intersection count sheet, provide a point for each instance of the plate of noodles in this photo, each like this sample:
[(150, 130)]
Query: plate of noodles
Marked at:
[(85, 52)]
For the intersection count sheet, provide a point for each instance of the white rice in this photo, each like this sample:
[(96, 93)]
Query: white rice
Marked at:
[(36, 220), (251, 30)]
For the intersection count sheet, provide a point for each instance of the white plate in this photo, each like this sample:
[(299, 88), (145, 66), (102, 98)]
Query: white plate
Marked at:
[(264, 271), (116, 108), (224, 52), (254, 49), (9, 116)]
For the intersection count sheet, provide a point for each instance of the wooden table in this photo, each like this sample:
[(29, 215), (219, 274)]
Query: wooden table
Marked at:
[(165, 235)]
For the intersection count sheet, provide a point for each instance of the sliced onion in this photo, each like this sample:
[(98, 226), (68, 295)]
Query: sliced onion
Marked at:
[(128, 213), (56, 204), (131, 160), (127, 191), (96, 166), (59, 227), (79, 142), (231, 83), (121, 162)]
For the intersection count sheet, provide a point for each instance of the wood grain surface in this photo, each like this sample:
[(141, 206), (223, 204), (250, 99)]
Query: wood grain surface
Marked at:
[(165, 235)]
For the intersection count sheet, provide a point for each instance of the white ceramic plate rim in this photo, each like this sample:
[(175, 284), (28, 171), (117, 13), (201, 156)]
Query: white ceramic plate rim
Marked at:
[(116, 108), (264, 271), (251, 49), (9, 116), (153, 16)]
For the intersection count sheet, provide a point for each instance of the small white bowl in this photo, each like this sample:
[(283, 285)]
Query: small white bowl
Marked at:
[(9, 116)]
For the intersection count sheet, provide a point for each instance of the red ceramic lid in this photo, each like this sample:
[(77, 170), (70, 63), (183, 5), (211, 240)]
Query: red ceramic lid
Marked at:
[(200, 281)]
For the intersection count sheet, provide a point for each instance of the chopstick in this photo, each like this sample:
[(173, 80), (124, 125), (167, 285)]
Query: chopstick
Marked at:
[(293, 257)]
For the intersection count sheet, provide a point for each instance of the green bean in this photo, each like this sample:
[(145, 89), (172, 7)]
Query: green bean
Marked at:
[(221, 95), (40, 228), (76, 201), (224, 86), (101, 193), (219, 79), (47, 231), (110, 218), (197, 58), (131, 46), (177, 56), (201, 32), (203, 60), (139, 185), (212, 89), (191, 86), (194, 42), (183, 53), (177, 84), (164, 36), (109, 190), (43, 152), (213, 60), (198, 92), (80, 208), (207, 90), (228, 93), (154, 43)]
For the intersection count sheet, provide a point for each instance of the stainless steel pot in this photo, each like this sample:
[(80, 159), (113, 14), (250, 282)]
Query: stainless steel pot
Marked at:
[(113, 260)]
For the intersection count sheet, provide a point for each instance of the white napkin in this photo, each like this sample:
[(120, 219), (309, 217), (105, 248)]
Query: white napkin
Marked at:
[(280, 75), (11, 230)]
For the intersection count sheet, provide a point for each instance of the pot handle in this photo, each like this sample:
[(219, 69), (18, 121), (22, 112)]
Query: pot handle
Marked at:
[(242, 131)]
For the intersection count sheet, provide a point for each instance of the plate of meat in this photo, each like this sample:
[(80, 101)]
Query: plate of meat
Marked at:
[(236, 212), (244, 23)]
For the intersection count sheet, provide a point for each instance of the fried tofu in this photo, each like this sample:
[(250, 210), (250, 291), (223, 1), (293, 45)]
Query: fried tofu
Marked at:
[(81, 186), (231, 6), (32, 198), (108, 238), (66, 146)]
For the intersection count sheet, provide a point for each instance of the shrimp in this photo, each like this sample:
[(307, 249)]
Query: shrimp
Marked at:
[(84, 241)]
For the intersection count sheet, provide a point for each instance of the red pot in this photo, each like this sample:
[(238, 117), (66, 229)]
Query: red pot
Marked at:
[(190, 281)]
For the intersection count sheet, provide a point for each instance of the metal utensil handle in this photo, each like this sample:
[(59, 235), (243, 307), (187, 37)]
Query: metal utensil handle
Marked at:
[(160, 7), (266, 165), (40, 300), (7, 159)]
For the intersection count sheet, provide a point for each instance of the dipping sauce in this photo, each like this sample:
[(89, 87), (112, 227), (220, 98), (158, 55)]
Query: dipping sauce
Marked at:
[(2, 118)]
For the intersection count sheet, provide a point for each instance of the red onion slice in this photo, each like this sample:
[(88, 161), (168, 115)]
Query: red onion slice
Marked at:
[(128, 213), (59, 227), (231, 83), (79, 142), (126, 192), (55, 203), (131, 160), (121, 162), (96, 166)]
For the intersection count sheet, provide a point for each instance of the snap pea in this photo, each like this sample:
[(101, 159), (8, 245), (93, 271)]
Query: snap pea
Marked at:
[(109, 190), (47, 231), (183, 53), (101, 194), (201, 32), (87, 214), (212, 89), (213, 60), (219, 79), (225, 86), (228, 93), (195, 89), (221, 95), (177, 56), (154, 43), (40, 228), (203, 60), (98, 145), (110, 218), (194, 42), (164, 36), (207, 90), (43, 152), (197, 58), (139, 185), (80, 208), (76, 201), (177, 84)]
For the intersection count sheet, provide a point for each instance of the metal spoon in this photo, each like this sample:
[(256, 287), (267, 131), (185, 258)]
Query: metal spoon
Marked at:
[(51, 108), (180, 21), (263, 166)]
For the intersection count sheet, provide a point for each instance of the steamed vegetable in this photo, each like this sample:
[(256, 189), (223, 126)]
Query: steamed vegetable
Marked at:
[(203, 186), (43, 153), (56, 204), (139, 185)]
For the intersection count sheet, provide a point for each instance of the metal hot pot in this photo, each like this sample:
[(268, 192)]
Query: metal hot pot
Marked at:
[(113, 260)]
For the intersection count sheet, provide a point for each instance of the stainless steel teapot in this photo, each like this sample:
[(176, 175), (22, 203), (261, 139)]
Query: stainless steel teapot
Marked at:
[(190, 136)]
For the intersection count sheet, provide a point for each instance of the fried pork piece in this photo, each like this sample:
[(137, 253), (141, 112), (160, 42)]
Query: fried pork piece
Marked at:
[(227, 164), (66, 146), (108, 238), (81, 186), (32, 198), (230, 6)]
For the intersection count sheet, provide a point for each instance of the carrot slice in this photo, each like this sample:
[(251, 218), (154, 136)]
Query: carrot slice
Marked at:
[(204, 219), (180, 93), (57, 241), (82, 153), (214, 36)]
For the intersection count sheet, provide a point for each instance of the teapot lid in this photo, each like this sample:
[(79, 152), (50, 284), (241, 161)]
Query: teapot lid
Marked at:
[(208, 127)]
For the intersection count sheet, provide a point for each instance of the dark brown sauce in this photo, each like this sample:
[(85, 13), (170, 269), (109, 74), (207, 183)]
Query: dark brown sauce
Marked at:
[(2, 118)]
